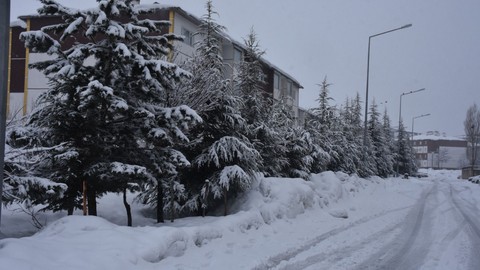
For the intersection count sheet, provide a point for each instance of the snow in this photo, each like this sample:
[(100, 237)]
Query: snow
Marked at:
[(280, 223), (436, 138), (229, 173), (146, 8), (122, 168), (73, 26), (18, 23), (101, 19), (123, 49)]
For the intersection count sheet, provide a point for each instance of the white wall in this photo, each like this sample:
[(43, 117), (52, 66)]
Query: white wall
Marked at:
[(183, 51), (16, 106), (37, 81), (455, 158)]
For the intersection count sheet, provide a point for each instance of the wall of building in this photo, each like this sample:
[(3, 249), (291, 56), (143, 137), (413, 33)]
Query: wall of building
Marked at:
[(184, 49), (440, 153), (27, 84)]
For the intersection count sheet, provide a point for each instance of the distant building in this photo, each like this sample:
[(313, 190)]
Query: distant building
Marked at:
[(440, 152), (25, 84)]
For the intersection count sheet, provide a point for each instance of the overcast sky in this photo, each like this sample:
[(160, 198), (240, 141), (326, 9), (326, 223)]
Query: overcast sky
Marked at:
[(311, 39)]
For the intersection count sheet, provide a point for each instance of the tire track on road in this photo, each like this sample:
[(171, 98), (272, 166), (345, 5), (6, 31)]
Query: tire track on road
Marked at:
[(469, 211), (291, 253), (395, 255)]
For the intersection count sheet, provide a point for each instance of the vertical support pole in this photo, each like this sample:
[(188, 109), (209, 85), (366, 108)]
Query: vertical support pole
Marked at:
[(366, 97), (25, 89), (4, 45), (85, 211)]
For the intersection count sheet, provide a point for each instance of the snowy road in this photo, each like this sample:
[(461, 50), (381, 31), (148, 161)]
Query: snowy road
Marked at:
[(441, 230)]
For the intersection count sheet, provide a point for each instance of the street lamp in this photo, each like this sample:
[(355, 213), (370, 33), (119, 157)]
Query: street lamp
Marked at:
[(400, 118), (400, 110), (473, 148), (368, 75), (416, 117)]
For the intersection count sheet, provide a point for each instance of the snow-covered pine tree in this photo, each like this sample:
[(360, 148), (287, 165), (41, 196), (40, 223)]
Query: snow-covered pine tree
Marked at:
[(108, 97), (23, 165), (201, 92), (389, 143), (379, 145), (275, 159), (405, 162), (258, 109), (221, 152), (324, 111), (251, 82), (321, 123), (347, 145), (302, 152), (320, 145)]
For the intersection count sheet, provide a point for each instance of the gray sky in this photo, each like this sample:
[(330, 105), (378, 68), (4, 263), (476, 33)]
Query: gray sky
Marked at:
[(311, 39)]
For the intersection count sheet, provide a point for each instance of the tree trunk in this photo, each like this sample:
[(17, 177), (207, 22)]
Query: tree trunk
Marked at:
[(92, 199), (70, 202), (172, 202), (127, 207), (225, 201), (160, 218), (205, 197), (84, 203)]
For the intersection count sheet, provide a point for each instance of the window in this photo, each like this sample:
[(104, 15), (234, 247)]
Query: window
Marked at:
[(187, 37), (276, 81), (237, 55), (289, 89), (276, 86)]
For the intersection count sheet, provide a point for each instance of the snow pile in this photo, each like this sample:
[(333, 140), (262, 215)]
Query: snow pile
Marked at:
[(278, 198), (78, 242)]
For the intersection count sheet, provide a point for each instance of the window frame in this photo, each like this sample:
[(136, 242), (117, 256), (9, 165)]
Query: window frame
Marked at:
[(188, 37)]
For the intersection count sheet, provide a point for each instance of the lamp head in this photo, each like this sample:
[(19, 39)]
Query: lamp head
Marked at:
[(406, 26)]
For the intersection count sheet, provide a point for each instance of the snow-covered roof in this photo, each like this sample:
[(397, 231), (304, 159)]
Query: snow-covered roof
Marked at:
[(436, 138), (18, 23)]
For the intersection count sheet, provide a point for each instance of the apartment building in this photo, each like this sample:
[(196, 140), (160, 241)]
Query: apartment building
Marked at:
[(439, 152), (25, 85)]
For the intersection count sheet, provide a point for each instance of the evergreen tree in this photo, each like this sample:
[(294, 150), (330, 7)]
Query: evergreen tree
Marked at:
[(349, 144), (221, 152), (258, 109), (389, 143), (23, 182), (405, 157), (251, 83), (379, 145), (108, 98), (324, 112)]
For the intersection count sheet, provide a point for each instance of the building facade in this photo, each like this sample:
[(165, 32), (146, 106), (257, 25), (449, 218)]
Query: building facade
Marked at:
[(440, 152), (25, 84)]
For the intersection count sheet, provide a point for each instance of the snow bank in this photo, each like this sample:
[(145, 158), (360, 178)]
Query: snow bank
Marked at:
[(78, 242)]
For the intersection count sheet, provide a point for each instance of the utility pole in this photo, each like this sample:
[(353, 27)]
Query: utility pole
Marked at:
[(4, 42), (473, 149)]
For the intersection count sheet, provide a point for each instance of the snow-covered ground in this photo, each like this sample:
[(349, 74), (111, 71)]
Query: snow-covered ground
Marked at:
[(334, 221)]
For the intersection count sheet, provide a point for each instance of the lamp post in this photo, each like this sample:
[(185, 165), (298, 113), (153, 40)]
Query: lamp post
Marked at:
[(400, 118), (416, 117), (473, 148), (4, 37), (400, 108), (368, 75)]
